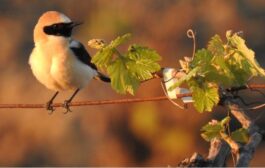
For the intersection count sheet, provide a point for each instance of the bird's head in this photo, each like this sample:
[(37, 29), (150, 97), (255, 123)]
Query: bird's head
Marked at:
[(53, 23)]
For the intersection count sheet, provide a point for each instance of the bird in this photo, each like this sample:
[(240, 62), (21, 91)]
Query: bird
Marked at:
[(58, 61)]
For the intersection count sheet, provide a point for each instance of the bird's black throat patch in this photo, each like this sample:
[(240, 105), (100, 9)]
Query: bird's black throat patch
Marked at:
[(59, 29)]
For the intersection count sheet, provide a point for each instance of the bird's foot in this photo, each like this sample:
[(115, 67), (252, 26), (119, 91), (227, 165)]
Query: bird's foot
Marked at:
[(66, 105), (49, 107)]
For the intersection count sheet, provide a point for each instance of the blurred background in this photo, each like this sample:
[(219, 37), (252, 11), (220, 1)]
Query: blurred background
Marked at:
[(143, 134)]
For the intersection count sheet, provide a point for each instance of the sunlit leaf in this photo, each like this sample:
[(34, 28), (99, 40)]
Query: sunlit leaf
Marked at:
[(140, 52), (222, 64), (126, 70), (215, 45), (104, 56), (201, 58), (121, 78), (248, 54), (210, 131), (205, 96), (143, 62), (120, 40)]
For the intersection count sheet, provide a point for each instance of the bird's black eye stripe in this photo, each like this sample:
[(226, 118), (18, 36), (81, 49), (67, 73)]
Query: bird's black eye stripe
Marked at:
[(54, 26), (59, 26), (59, 29)]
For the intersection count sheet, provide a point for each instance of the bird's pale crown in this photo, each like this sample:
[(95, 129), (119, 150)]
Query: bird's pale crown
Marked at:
[(48, 18)]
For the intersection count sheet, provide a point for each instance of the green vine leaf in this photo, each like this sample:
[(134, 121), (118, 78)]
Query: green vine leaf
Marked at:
[(104, 56), (241, 135), (205, 96), (143, 62), (214, 128), (215, 45), (203, 58), (222, 64), (249, 55), (128, 69), (121, 78), (120, 40)]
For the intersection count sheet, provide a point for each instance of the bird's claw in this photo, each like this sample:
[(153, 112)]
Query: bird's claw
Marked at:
[(66, 105), (49, 107)]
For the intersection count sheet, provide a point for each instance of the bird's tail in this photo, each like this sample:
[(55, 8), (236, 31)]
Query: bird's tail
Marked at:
[(102, 77)]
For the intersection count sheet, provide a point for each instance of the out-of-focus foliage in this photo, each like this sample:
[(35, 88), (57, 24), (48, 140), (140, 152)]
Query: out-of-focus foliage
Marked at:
[(114, 135), (240, 135), (214, 129), (218, 129)]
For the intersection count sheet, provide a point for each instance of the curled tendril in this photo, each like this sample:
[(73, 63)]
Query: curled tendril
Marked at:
[(191, 34)]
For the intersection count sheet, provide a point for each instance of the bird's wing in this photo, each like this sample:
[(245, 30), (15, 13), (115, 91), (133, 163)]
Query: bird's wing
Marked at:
[(81, 53)]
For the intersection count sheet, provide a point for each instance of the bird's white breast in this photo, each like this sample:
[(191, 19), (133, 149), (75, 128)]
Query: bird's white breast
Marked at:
[(55, 65)]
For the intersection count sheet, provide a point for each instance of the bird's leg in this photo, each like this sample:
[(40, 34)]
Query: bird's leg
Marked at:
[(67, 102), (49, 103)]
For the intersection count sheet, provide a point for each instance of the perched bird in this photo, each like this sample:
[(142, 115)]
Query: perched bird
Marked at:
[(58, 61)]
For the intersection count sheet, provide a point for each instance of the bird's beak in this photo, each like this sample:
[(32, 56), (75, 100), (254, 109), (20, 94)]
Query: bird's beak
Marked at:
[(74, 24)]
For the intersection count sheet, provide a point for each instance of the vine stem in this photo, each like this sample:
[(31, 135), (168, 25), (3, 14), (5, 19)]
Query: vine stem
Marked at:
[(117, 101), (93, 102), (245, 153)]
